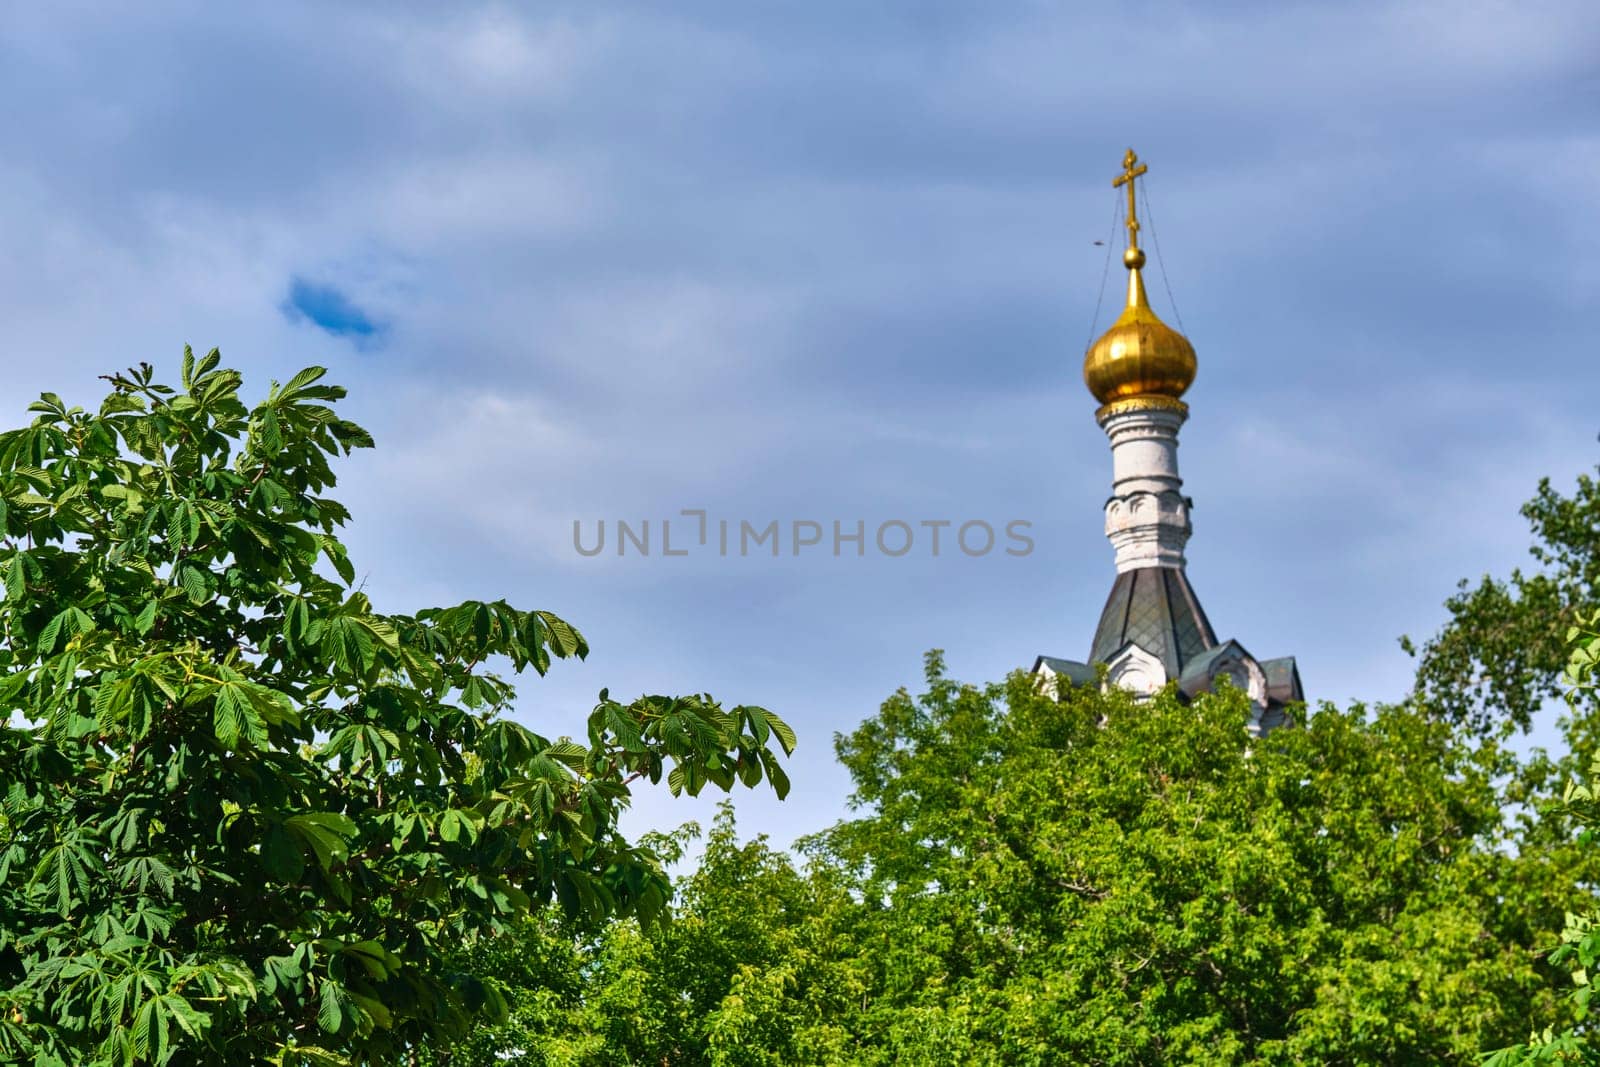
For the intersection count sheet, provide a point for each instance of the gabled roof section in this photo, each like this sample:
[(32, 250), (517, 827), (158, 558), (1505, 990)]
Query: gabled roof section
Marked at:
[(1074, 671), (1283, 680), (1282, 677), (1156, 609), (1137, 670), (1197, 672)]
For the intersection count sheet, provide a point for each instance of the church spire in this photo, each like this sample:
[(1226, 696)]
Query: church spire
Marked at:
[(1153, 631), (1152, 626), (1138, 370)]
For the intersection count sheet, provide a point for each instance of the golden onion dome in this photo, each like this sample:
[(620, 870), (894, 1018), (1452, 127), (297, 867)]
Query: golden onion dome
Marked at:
[(1139, 355)]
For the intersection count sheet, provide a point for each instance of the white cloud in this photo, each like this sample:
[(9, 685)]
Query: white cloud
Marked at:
[(839, 259), (452, 204)]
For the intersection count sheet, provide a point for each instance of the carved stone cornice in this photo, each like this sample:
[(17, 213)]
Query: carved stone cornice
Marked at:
[(1141, 403)]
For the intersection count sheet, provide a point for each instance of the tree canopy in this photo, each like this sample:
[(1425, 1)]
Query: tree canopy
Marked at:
[(1579, 949), (246, 816), (1499, 657), (1103, 880)]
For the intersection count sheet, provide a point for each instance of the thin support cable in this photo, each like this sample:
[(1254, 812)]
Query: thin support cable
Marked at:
[(1111, 240), (1155, 236)]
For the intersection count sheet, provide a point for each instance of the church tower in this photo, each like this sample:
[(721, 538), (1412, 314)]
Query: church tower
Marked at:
[(1153, 630)]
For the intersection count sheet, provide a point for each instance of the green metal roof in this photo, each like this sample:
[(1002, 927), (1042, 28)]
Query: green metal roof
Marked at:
[(1074, 671), (1156, 609)]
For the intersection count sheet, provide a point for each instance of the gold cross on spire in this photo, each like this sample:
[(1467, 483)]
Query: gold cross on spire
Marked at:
[(1130, 171)]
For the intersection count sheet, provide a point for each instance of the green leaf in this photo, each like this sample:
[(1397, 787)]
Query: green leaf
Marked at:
[(458, 825), (326, 834), (235, 717), (51, 632), (625, 727), (331, 1007), (194, 582), (336, 555), (775, 774), (565, 640), (450, 826), (304, 378), (349, 644), (281, 855), (16, 587)]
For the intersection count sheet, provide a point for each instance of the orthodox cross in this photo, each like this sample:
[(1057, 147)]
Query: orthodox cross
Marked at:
[(1129, 172)]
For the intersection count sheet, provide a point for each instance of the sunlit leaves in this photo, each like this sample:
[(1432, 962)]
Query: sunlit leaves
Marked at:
[(1582, 673), (332, 1002), (694, 740), (64, 873), (455, 825), (1105, 880), (1579, 948), (67, 623), (349, 644), (236, 722), (1500, 657), (242, 806)]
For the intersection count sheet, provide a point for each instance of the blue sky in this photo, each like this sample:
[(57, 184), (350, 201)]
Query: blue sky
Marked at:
[(836, 262), (328, 308)]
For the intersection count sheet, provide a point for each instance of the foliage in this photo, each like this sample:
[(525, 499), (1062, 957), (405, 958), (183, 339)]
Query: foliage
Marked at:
[(1107, 881), (244, 813), (1500, 656), (1101, 881), (1580, 939), (751, 970)]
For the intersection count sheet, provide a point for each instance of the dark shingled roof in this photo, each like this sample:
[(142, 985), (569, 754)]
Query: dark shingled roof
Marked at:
[(1156, 609), (1075, 672), (1196, 673), (1283, 680)]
